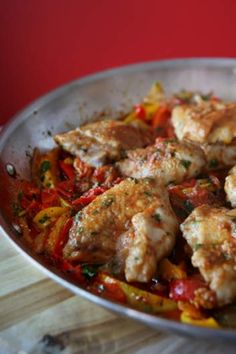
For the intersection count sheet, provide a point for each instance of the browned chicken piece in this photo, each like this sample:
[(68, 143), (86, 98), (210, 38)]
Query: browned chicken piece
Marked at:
[(211, 233), (104, 141), (131, 223), (206, 122), (167, 161), (220, 155), (212, 126), (230, 187)]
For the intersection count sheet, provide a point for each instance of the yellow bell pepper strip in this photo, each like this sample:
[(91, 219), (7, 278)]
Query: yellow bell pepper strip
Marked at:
[(205, 322), (169, 271), (141, 112), (151, 102), (44, 168), (191, 310), (58, 235), (44, 217), (138, 298), (156, 94)]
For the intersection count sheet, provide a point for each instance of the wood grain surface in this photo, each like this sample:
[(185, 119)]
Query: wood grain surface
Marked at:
[(38, 316)]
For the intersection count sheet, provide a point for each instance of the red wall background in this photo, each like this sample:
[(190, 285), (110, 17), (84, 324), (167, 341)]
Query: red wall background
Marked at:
[(45, 43)]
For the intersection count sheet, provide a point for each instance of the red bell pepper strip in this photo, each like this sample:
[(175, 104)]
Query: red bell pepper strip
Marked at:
[(49, 197), (67, 169), (66, 188), (140, 112), (75, 271), (161, 117), (62, 239), (184, 289), (89, 196)]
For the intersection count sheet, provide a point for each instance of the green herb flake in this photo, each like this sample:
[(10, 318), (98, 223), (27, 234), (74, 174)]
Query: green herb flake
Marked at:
[(80, 230), (207, 96), (44, 219), (198, 246), (188, 206), (42, 178), (226, 256), (20, 196), (185, 163), (148, 194), (45, 166), (16, 208), (89, 271), (93, 233), (213, 163), (157, 217), (135, 180), (108, 201), (159, 129)]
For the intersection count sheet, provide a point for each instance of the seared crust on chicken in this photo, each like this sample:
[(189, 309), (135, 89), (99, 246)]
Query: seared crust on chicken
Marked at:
[(219, 155), (167, 161), (154, 232), (230, 187), (211, 233), (135, 215), (206, 122), (104, 141)]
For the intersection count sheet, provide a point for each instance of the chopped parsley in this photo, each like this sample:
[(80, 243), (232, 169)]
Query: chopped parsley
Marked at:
[(157, 217), (148, 194), (45, 166), (108, 201), (188, 206), (95, 212), (80, 230), (134, 179), (16, 208), (213, 163), (226, 256), (44, 219), (89, 271), (185, 163), (20, 195), (207, 96), (197, 246)]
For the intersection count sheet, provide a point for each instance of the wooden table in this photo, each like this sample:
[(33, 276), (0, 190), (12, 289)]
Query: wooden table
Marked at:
[(38, 316)]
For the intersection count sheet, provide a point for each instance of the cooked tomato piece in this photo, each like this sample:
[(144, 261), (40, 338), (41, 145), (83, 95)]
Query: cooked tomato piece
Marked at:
[(183, 289)]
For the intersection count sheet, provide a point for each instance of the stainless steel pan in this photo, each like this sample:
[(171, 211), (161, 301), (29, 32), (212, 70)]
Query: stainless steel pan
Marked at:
[(108, 93)]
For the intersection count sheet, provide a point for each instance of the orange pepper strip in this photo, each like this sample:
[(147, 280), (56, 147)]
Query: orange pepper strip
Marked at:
[(160, 118)]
